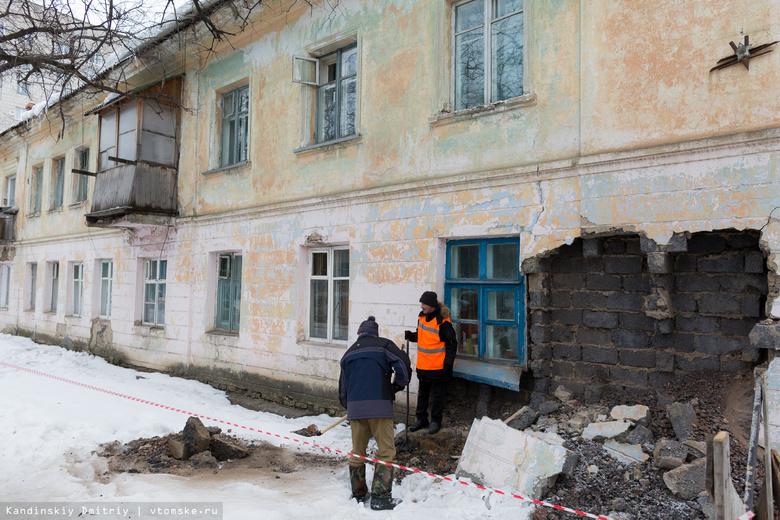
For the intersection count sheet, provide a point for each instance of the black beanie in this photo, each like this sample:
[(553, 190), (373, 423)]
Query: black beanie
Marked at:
[(430, 298), (369, 326)]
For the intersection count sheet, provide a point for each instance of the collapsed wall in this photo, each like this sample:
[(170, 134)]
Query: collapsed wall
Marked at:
[(623, 310)]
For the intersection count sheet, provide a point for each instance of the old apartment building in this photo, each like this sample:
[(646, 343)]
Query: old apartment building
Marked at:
[(593, 202)]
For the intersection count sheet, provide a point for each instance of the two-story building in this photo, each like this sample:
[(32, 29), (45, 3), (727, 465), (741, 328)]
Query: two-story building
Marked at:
[(594, 203)]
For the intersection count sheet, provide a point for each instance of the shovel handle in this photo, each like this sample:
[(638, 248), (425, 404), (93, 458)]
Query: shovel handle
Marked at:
[(332, 425)]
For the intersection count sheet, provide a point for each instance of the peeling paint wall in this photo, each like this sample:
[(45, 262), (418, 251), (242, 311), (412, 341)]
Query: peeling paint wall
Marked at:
[(622, 130)]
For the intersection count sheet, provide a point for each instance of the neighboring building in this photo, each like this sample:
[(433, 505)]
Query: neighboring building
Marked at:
[(594, 205)]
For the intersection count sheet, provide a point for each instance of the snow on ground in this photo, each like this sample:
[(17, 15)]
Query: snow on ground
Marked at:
[(52, 427)]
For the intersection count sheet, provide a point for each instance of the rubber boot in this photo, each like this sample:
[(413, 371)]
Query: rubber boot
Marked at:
[(382, 489), (357, 478)]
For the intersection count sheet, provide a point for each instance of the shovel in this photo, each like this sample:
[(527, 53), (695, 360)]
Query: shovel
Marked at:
[(313, 431)]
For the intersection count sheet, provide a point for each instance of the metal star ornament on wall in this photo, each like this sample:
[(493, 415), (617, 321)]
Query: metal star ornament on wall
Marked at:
[(743, 53)]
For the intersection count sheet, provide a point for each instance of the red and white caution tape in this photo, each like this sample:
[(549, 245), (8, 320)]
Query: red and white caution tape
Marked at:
[(747, 516), (315, 445)]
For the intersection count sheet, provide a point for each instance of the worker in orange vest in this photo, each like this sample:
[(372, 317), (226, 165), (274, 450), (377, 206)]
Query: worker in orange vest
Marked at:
[(437, 346)]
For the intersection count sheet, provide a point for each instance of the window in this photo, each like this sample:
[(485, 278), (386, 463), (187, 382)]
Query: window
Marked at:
[(487, 51), (10, 191), (5, 284), (154, 291), (81, 182), (22, 87), (484, 291), (117, 134), (228, 292), (335, 77), (106, 287), (57, 183), (329, 293), (32, 287), (36, 192), (235, 127), (17, 113), (77, 284), (54, 273)]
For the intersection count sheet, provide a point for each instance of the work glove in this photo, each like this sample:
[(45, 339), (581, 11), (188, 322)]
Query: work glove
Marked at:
[(408, 335), (448, 371), (397, 388)]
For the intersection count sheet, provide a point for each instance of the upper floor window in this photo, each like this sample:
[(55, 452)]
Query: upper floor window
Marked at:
[(155, 272), (335, 76), (10, 191), (22, 87), (329, 293), (487, 51), (36, 194), (81, 182), (235, 127), (57, 183), (138, 131), (485, 292)]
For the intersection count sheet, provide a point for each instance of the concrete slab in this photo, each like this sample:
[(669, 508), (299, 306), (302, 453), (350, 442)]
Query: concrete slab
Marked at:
[(626, 453), (637, 414), (605, 430), (498, 456)]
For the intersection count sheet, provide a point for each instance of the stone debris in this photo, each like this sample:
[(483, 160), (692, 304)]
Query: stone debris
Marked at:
[(638, 414), (605, 430), (669, 454), (626, 453), (683, 419), (688, 480), (195, 440)]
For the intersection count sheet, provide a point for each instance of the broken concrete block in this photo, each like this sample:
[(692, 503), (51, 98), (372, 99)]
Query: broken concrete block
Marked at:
[(548, 407), (526, 418), (683, 418), (498, 456), (204, 459), (696, 448), (196, 436), (563, 394), (639, 435), (669, 454), (177, 448), (224, 447), (688, 480), (605, 430), (638, 414), (625, 453), (579, 421)]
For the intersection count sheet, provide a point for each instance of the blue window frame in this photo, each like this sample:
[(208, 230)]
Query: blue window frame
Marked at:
[(486, 294)]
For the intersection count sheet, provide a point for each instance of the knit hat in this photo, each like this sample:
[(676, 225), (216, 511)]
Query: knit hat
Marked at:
[(369, 326), (429, 298)]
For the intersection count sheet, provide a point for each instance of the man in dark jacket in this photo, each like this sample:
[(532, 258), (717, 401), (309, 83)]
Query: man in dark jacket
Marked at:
[(367, 390), (437, 346)]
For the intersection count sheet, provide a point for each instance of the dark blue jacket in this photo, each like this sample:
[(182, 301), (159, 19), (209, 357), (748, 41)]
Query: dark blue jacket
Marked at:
[(365, 389)]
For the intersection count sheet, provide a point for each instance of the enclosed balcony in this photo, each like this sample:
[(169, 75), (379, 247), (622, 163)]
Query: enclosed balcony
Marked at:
[(8, 225), (136, 179)]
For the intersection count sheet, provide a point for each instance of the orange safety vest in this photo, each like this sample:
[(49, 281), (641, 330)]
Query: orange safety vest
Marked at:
[(430, 347)]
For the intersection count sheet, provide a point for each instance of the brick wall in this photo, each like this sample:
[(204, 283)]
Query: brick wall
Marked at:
[(625, 311)]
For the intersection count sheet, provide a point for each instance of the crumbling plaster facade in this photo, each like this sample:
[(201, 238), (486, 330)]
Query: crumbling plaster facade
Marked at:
[(622, 131)]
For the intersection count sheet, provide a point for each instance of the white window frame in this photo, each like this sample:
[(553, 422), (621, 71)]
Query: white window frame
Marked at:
[(57, 183), (32, 285), (10, 191), (307, 70), (330, 278), (488, 52), (105, 288), (81, 182), (53, 284), (76, 285), (5, 285), (36, 189), (152, 270)]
